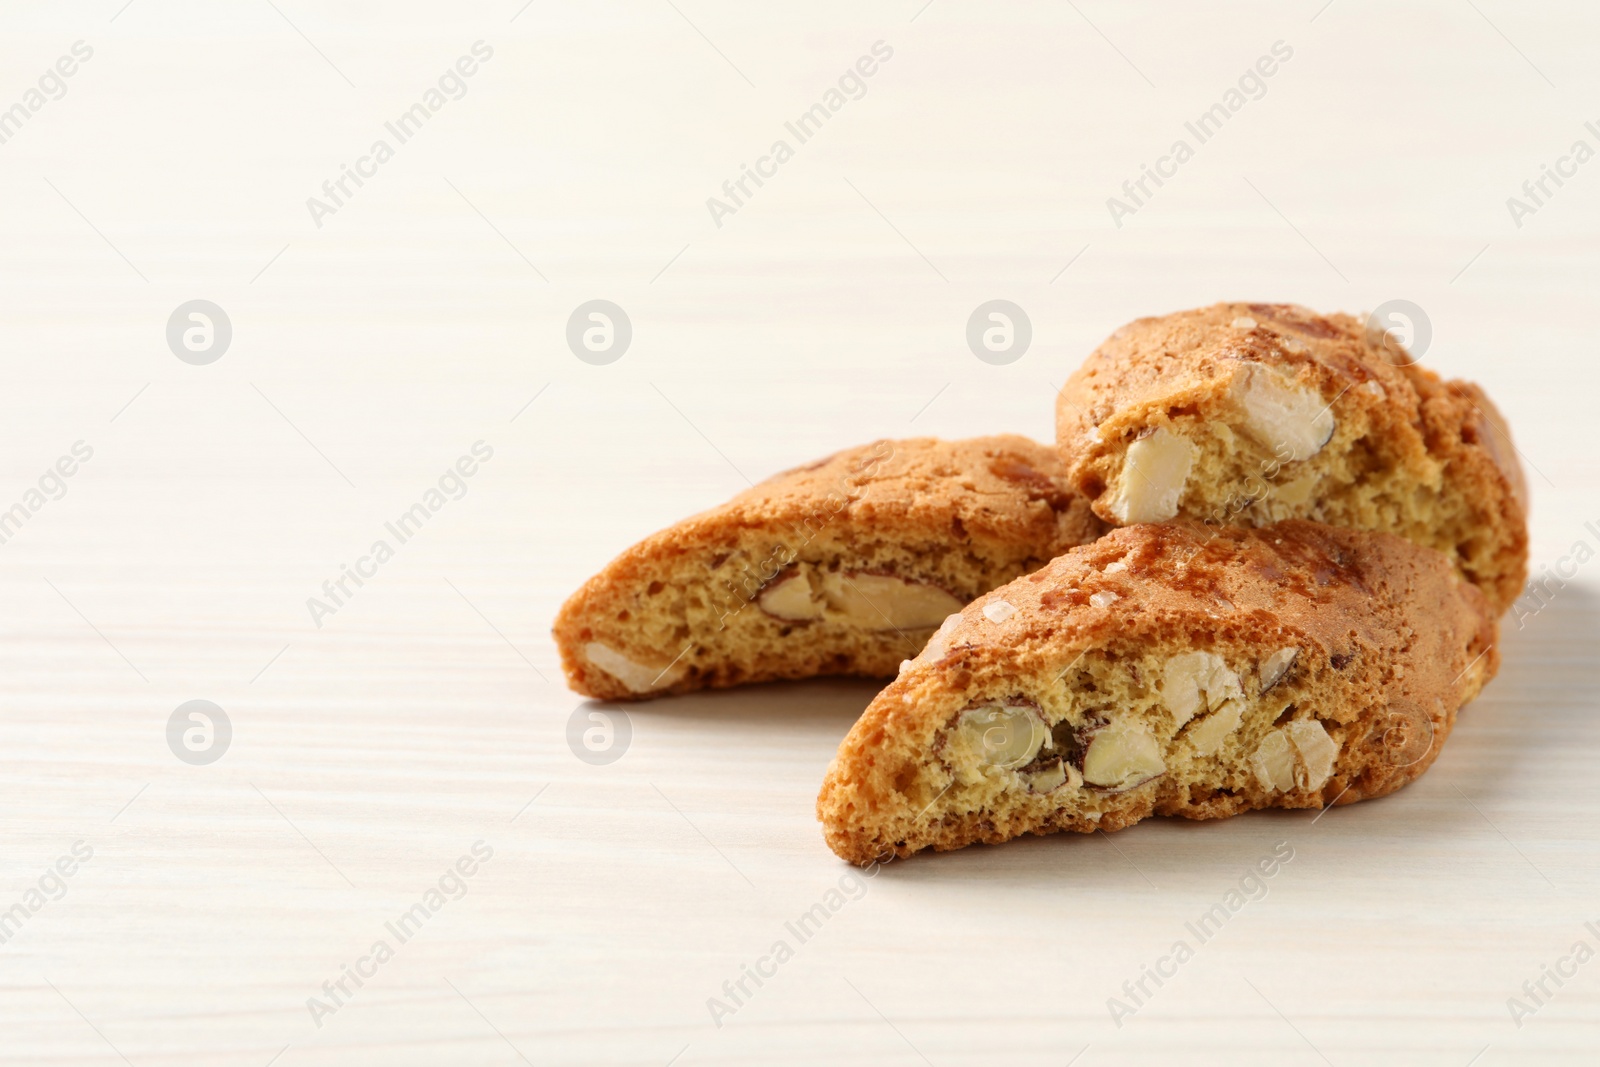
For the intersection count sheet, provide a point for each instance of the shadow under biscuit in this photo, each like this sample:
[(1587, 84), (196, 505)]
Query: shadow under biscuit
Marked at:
[(830, 705), (724, 735), (1534, 730)]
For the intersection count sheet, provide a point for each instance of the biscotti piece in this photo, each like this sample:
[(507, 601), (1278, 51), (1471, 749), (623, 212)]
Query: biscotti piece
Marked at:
[(1167, 669), (1251, 413), (843, 566)]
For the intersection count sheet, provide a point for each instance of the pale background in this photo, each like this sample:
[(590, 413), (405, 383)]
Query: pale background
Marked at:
[(426, 314)]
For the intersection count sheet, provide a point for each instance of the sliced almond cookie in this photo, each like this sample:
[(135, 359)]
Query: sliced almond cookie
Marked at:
[(1168, 669), (843, 566), (1251, 413)]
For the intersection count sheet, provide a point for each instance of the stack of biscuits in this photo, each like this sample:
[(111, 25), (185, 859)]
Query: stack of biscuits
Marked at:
[(1261, 567)]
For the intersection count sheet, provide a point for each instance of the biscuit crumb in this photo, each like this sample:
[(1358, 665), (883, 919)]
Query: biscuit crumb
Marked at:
[(999, 610)]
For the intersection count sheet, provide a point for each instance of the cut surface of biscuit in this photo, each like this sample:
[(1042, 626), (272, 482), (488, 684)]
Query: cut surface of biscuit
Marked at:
[(1252, 413), (843, 566), (1168, 669)]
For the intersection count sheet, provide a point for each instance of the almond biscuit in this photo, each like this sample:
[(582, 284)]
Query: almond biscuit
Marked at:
[(843, 566), (1252, 413), (1166, 669)]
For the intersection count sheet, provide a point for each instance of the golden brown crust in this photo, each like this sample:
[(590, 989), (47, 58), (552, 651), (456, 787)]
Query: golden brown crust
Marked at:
[(1429, 460), (1391, 643), (962, 516)]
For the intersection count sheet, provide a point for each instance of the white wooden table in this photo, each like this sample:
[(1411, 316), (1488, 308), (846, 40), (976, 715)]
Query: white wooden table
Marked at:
[(425, 713)]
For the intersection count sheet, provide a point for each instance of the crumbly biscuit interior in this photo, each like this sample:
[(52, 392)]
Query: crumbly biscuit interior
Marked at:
[(765, 606), (1238, 475), (1119, 734)]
